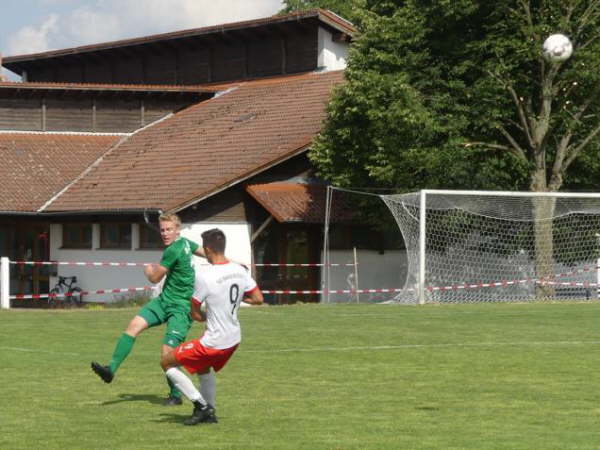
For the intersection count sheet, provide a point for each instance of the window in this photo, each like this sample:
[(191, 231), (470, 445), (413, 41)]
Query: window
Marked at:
[(77, 235), (149, 238), (115, 235)]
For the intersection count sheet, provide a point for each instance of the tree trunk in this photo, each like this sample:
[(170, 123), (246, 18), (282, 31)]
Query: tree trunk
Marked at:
[(544, 246)]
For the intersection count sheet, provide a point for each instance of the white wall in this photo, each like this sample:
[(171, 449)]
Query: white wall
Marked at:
[(332, 55), (375, 271), (92, 278)]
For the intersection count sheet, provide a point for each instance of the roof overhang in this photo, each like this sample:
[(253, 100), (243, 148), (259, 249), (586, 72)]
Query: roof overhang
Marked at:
[(37, 88), (342, 29)]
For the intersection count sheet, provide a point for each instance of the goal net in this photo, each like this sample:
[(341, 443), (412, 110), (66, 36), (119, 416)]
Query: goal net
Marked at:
[(467, 246), (498, 246)]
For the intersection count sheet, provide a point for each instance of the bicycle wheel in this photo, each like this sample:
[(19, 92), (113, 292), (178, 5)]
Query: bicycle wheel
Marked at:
[(53, 298), (76, 297)]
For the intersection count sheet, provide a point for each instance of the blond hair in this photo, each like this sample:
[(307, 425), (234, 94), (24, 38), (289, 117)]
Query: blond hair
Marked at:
[(170, 218)]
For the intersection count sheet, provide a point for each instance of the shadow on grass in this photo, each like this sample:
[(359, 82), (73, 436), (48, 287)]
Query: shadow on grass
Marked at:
[(173, 418), (154, 399), (179, 419)]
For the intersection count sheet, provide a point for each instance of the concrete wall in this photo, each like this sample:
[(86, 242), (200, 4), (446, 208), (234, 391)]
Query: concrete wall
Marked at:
[(375, 271), (332, 55), (93, 278)]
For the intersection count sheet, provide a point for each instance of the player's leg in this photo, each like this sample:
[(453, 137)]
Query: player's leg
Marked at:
[(208, 386), (203, 412), (149, 316), (207, 377), (178, 325)]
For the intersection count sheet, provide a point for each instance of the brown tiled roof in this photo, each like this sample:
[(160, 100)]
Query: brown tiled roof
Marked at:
[(36, 166), (326, 17), (207, 147), (104, 87), (293, 202)]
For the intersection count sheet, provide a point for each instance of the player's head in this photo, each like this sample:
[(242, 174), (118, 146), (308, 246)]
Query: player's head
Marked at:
[(213, 240), (170, 226)]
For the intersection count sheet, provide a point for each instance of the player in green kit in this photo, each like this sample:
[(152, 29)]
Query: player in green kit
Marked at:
[(172, 306)]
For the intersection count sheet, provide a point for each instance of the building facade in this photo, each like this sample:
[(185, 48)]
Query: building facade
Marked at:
[(97, 139)]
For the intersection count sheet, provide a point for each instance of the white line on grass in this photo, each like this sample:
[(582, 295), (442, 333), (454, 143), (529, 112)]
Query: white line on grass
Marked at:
[(356, 348), (410, 346)]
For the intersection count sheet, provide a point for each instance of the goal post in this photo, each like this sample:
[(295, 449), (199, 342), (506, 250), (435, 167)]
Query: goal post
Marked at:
[(465, 246)]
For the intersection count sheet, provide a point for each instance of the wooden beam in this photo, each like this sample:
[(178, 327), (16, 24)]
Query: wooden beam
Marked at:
[(261, 228)]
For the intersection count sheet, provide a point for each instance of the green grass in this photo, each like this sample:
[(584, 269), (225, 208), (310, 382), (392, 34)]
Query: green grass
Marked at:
[(496, 376)]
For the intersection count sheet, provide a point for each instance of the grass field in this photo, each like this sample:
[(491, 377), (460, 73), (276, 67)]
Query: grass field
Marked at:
[(495, 376)]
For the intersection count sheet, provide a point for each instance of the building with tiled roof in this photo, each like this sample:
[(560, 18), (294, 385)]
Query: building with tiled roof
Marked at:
[(202, 122)]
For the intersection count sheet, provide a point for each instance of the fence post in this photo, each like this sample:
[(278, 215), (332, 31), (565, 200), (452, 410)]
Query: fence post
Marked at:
[(4, 283), (356, 276)]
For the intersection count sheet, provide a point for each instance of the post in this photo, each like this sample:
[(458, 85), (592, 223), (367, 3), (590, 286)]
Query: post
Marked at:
[(598, 278), (422, 246), (325, 272), (4, 283), (356, 277)]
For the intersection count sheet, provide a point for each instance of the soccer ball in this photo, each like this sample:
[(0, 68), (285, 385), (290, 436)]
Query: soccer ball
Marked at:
[(557, 48)]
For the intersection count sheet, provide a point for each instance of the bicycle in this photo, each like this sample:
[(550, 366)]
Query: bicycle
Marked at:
[(65, 292)]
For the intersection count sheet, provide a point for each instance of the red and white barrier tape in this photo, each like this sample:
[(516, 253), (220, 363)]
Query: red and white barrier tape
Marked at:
[(584, 284), (76, 294), (149, 288), (133, 264), (504, 283)]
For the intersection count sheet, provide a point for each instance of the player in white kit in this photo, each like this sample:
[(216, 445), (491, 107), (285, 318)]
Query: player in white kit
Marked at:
[(221, 288)]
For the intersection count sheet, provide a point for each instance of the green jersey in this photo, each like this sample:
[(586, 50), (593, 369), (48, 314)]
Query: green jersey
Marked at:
[(179, 284)]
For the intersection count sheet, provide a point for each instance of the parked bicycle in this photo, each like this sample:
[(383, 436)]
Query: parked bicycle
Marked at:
[(65, 292)]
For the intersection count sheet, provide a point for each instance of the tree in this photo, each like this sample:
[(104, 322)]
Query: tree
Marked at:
[(347, 9), (456, 94)]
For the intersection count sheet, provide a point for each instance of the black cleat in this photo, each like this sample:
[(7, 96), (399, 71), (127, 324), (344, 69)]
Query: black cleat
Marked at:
[(201, 414), (171, 400), (103, 372)]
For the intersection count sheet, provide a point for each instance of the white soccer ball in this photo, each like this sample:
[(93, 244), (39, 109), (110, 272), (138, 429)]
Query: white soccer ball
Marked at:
[(557, 48)]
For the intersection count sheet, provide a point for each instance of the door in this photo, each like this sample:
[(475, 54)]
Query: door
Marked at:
[(22, 241)]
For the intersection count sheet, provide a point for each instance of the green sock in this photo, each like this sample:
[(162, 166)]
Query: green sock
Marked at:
[(174, 392), (122, 349)]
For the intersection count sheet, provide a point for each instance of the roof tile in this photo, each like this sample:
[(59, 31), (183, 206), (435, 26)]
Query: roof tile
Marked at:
[(36, 166), (293, 202), (206, 147)]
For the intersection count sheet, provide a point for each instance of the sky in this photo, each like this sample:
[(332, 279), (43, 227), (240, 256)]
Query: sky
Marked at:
[(31, 26)]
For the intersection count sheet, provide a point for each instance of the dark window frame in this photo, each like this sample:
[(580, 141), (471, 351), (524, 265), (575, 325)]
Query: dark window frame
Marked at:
[(144, 242), (123, 240), (82, 242)]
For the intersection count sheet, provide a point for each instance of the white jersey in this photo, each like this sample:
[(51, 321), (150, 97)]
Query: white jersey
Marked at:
[(222, 288)]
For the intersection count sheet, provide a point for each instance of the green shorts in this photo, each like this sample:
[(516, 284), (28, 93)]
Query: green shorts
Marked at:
[(177, 318)]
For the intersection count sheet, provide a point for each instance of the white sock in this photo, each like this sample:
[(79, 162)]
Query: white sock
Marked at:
[(208, 387), (184, 384)]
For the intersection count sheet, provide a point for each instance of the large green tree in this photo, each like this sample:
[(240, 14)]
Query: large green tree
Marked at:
[(348, 9), (456, 94)]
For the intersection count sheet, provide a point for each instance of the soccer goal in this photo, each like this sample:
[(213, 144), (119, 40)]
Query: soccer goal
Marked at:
[(491, 246)]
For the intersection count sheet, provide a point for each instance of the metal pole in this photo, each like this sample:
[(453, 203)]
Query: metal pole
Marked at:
[(598, 278), (356, 276), (325, 271), (4, 283), (422, 247)]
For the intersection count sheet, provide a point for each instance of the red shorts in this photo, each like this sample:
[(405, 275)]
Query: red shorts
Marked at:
[(195, 357)]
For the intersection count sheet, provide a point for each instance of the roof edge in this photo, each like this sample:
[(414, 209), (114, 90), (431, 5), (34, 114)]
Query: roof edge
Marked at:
[(325, 16), (187, 203)]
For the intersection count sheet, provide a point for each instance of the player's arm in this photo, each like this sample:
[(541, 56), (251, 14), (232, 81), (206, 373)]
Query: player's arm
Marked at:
[(254, 297), (155, 272), (196, 311)]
